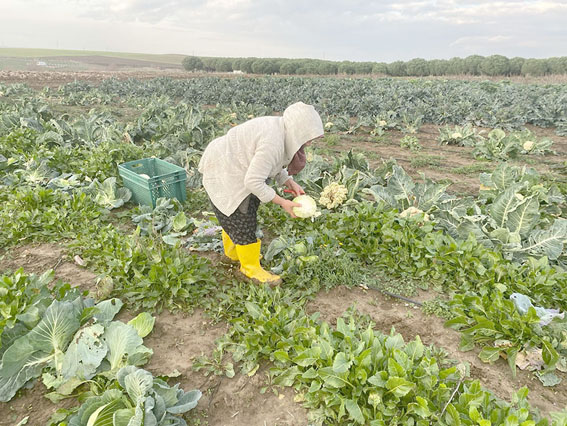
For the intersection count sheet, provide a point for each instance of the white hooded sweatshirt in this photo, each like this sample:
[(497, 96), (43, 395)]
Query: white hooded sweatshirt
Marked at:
[(239, 163)]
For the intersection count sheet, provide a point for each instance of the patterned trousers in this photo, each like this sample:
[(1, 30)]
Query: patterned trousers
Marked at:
[(241, 225)]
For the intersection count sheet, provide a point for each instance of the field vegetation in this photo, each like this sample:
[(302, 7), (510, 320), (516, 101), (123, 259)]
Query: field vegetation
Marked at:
[(431, 289)]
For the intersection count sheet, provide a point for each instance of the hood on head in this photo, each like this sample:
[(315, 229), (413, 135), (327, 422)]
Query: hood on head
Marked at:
[(301, 123)]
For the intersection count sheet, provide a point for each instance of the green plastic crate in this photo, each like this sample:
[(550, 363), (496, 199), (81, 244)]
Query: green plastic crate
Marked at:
[(165, 180)]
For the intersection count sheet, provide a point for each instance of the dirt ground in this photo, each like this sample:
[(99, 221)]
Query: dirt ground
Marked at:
[(38, 258)]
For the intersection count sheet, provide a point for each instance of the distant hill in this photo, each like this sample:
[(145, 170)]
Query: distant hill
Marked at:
[(83, 60)]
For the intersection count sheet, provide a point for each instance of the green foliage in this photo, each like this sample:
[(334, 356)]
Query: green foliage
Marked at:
[(312, 268), (473, 169), (426, 160), (355, 375), (499, 146), (437, 307), (73, 341), (137, 398), (331, 139), (458, 135), (108, 195), (192, 63), (411, 143), (496, 147), (166, 219), (147, 273), (495, 323), (401, 192), (410, 123), (25, 298), (43, 214)]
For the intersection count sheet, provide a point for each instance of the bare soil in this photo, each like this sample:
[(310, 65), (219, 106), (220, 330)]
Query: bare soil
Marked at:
[(41, 257), (410, 322)]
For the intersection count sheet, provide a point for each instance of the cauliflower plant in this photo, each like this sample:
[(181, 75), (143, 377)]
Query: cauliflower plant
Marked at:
[(333, 195), (414, 211), (528, 145)]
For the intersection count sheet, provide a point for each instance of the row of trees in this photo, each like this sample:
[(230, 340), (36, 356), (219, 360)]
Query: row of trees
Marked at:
[(495, 65)]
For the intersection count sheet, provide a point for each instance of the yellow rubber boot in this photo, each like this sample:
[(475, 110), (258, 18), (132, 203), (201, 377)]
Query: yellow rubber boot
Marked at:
[(249, 256), (229, 247)]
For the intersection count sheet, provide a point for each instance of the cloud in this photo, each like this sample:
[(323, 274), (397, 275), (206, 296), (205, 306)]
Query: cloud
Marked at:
[(480, 40), (381, 30)]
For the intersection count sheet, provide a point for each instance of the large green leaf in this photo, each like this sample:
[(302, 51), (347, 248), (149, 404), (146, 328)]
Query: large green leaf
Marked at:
[(503, 176), (548, 243), (341, 363), (429, 194), (381, 195), (503, 205), (137, 384), (523, 219), (44, 345), (85, 353), (121, 340), (107, 309), (399, 386), (354, 411), (143, 323), (401, 186), (104, 415), (92, 404), (186, 401), (332, 379)]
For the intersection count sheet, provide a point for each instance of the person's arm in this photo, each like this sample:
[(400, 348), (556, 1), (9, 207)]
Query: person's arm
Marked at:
[(255, 182), (294, 186)]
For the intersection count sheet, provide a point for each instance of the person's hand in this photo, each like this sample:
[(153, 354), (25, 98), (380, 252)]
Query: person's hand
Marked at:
[(294, 187), (288, 206)]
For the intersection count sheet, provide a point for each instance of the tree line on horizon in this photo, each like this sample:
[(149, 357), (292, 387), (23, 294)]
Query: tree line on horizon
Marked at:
[(494, 65)]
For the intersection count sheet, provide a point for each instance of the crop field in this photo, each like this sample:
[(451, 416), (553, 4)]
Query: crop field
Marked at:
[(431, 290)]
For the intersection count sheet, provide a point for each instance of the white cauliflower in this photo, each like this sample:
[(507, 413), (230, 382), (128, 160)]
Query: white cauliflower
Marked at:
[(333, 195), (414, 211), (382, 123), (456, 135), (328, 125), (308, 207), (528, 145)]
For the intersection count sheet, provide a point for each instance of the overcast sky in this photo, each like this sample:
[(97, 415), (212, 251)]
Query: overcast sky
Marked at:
[(361, 30)]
